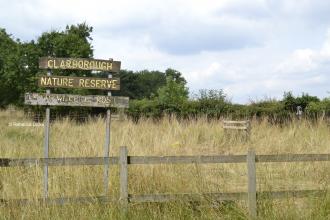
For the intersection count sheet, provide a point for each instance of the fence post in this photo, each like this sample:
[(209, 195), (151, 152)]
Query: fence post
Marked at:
[(46, 144), (252, 186), (123, 178), (248, 130)]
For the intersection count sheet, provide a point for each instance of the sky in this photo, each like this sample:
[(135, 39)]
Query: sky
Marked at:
[(252, 49)]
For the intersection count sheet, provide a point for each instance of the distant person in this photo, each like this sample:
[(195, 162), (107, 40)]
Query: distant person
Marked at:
[(299, 112)]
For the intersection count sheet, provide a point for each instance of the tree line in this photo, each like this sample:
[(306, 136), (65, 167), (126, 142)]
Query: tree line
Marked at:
[(152, 93)]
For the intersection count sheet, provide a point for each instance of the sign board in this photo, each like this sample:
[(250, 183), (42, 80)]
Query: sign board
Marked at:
[(79, 82), (76, 100), (79, 64)]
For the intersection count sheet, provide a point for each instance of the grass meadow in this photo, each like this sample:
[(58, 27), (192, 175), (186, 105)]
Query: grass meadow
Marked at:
[(165, 137)]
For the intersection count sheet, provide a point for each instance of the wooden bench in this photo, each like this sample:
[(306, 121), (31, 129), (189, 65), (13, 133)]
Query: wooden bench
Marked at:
[(117, 117), (238, 125)]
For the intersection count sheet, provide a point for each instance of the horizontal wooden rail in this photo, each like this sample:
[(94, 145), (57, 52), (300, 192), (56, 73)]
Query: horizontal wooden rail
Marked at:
[(60, 201), (224, 196), (66, 161), (74, 161), (186, 159), (291, 193), (188, 197), (293, 158), (235, 196)]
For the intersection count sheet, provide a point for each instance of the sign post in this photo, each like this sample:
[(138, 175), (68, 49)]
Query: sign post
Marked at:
[(49, 99), (107, 146), (46, 144)]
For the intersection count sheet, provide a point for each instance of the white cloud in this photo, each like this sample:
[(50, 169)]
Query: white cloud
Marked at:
[(307, 60), (251, 48), (254, 73), (325, 50), (301, 60)]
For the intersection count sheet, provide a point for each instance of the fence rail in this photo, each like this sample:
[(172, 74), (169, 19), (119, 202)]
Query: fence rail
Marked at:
[(124, 160), (77, 161)]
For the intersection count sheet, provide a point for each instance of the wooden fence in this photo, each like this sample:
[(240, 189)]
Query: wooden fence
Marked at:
[(124, 160)]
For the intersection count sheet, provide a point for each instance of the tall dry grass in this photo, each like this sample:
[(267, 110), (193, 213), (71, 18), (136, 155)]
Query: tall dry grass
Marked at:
[(165, 137)]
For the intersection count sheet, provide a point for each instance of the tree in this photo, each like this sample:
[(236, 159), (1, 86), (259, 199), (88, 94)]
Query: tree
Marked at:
[(305, 99), (28, 55), (212, 95), (9, 61), (19, 60), (176, 76), (174, 93), (74, 41), (141, 84), (291, 102), (150, 82)]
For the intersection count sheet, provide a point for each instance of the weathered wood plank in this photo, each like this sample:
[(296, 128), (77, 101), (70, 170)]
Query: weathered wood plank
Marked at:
[(79, 82), (225, 196), (68, 161), (188, 197), (123, 177), (238, 125), (115, 117), (60, 201), (46, 143), (79, 64), (293, 158), (73, 161), (236, 122), (76, 100), (170, 197), (252, 184), (291, 194), (106, 147), (185, 159), (5, 162), (234, 127)]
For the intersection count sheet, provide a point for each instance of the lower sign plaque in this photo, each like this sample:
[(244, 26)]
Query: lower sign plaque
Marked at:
[(76, 100)]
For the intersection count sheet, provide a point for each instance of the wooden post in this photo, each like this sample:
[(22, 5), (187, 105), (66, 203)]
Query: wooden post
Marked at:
[(252, 187), (123, 178), (107, 148), (46, 144), (248, 130)]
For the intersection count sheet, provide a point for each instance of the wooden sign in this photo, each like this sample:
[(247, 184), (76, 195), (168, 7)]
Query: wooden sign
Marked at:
[(79, 64), (76, 100), (79, 82)]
